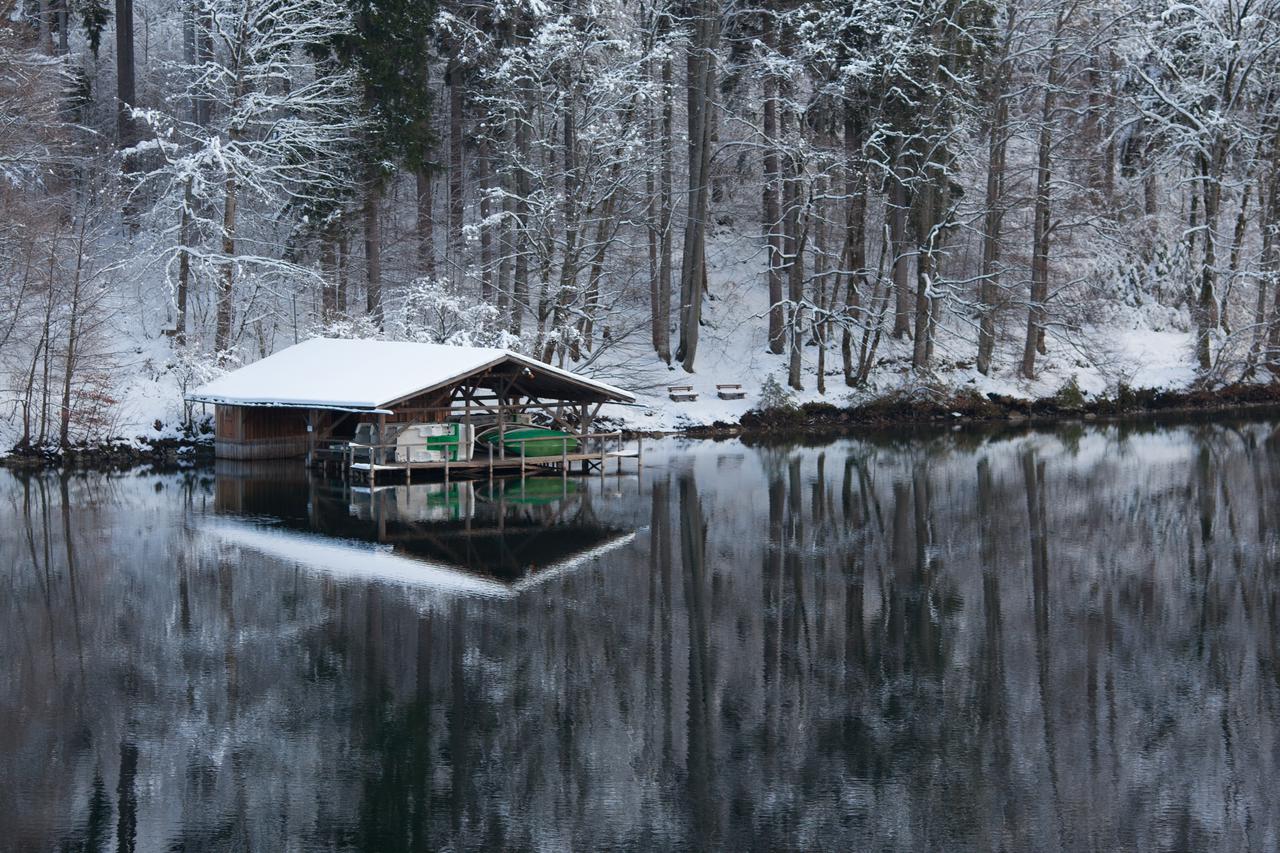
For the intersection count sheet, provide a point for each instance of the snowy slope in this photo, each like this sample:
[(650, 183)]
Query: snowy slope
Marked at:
[(1139, 348)]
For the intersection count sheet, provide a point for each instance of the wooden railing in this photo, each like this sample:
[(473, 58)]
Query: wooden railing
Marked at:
[(377, 452)]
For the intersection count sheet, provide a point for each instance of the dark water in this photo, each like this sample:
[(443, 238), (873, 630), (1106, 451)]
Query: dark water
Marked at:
[(1062, 640)]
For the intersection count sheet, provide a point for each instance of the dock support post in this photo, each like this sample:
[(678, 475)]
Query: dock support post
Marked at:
[(502, 431), (502, 505), (639, 453)]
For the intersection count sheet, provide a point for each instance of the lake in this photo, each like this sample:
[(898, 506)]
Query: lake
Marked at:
[(964, 640)]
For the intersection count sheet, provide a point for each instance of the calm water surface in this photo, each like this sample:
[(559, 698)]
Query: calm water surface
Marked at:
[(1057, 640)]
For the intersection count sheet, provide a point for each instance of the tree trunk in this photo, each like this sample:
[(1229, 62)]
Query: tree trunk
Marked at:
[(1037, 312), (926, 261), (202, 106), (701, 75), (899, 202), (993, 218), (1267, 269), (126, 98), (1207, 315), (184, 266), (72, 353), (344, 271), (992, 229), (64, 19), (855, 249), (506, 248), (771, 214), (226, 281), (793, 250), (373, 251), (520, 276), (1237, 246), (44, 30), (329, 271), (567, 292), (126, 85), (605, 227), (426, 224), (822, 271), (652, 215), (485, 168), (666, 202), (455, 252), (1091, 142)]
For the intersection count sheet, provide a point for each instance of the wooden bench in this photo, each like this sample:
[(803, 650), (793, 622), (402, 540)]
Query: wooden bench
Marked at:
[(682, 393), (730, 392)]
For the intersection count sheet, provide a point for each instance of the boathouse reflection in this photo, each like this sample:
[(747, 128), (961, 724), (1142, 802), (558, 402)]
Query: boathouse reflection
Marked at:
[(500, 530)]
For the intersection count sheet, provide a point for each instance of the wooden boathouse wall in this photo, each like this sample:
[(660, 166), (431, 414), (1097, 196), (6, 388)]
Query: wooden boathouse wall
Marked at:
[(265, 432)]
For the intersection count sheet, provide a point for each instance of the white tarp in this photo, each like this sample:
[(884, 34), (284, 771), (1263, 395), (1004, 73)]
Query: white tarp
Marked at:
[(329, 373)]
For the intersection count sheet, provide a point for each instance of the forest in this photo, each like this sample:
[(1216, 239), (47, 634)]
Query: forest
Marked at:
[(864, 191)]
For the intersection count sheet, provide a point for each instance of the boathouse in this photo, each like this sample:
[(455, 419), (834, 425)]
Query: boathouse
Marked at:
[(326, 393)]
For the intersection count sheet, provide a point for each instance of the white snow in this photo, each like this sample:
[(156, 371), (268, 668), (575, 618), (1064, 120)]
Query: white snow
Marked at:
[(1136, 348), (365, 374)]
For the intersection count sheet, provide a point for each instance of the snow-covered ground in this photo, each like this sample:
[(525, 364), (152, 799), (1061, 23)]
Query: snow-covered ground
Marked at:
[(1143, 347)]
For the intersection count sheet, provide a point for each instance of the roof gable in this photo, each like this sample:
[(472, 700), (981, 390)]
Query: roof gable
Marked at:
[(333, 373)]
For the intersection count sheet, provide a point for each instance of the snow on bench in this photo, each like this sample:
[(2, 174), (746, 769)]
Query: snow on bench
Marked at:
[(682, 393), (730, 392)]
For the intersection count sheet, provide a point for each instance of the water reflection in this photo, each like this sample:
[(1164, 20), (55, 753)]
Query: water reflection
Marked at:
[(1035, 641), (487, 537)]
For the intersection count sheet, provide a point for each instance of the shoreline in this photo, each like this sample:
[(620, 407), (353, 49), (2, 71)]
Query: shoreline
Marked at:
[(804, 421), (993, 410)]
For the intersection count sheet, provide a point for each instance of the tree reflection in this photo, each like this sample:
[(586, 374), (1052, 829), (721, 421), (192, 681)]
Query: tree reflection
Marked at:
[(1028, 641)]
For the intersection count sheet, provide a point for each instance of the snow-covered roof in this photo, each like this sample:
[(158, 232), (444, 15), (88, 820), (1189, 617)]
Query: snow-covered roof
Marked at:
[(329, 373)]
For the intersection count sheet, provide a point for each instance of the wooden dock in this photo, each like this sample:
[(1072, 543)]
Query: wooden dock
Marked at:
[(609, 448)]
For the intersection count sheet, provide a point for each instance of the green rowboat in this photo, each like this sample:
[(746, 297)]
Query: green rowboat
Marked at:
[(536, 441)]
